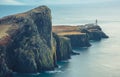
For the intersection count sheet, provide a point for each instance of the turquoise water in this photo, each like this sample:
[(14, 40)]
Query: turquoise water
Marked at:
[(102, 59)]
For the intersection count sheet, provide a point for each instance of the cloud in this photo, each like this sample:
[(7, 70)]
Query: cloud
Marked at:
[(10, 2)]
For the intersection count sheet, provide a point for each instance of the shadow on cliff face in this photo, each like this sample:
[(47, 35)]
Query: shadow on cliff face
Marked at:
[(62, 66)]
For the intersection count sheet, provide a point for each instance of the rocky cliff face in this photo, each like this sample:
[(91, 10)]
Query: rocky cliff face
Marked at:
[(63, 47), (77, 38), (4, 70), (80, 40), (27, 45), (93, 31), (80, 35)]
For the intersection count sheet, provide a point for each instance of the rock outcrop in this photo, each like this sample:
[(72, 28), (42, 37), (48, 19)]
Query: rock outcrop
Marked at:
[(4, 70), (29, 48), (63, 47), (80, 35), (27, 44), (77, 38), (93, 31)]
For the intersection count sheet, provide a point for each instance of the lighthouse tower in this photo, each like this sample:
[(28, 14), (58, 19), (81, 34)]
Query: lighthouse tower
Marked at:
[(96, 22)]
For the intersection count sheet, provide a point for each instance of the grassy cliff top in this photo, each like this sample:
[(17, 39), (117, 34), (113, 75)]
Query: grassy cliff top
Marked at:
[(70, 33), (66, 30), (4, 36), (3, 30)]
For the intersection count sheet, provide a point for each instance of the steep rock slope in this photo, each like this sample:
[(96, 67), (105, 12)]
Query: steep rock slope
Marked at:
[(93, 31), (80, 35), (77, 38), (26, 46), (63, 47)]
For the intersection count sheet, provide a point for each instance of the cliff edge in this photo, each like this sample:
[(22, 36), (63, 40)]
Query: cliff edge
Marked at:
[(80, 35), (27, 44)]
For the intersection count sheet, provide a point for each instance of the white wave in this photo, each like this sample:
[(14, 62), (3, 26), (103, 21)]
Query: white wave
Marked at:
[(55, 71), (59, 66), (65, 61)]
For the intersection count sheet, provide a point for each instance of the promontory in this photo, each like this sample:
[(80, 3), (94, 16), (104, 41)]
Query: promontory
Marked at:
[(29, 45)]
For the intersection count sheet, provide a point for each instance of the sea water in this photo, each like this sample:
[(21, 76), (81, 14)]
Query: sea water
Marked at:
[(102, 59)]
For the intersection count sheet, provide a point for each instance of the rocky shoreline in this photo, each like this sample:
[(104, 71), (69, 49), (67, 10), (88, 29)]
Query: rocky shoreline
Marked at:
[(29, 43)]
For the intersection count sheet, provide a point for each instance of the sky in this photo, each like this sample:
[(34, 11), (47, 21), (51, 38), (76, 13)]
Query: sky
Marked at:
[(38, 2)]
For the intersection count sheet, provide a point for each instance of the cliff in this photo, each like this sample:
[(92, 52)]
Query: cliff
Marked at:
[(93, 31), (29, 35), (77, 38), (80, 35), (63, 47), (27, 44), (4, 70)]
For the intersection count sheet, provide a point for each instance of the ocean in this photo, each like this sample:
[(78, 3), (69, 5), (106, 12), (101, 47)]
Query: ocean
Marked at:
[(99, 60)]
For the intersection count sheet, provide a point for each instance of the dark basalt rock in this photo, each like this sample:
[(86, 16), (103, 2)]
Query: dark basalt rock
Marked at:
[(75, 53), (29, 46), (63, 47), (80, 35), (29, 49), (93, 31), (4, 70), (80, 40)]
